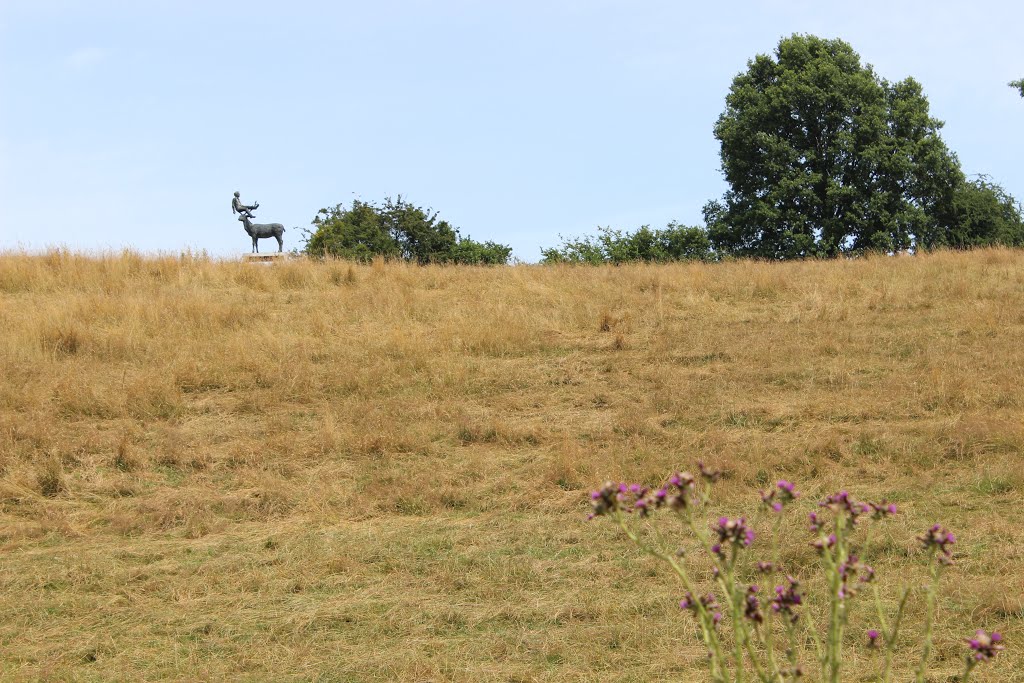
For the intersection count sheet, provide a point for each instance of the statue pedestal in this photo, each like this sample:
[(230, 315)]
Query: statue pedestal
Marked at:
[(275, 257)]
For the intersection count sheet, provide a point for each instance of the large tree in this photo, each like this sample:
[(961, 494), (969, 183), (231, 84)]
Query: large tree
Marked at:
[(396, 229), (823, 157)]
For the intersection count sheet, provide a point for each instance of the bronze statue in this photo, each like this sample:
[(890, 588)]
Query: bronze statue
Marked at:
[(238, 207), (259, 230)]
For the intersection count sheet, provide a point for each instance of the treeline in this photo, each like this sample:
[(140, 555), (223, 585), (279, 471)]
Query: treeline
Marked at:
[(983, 214), (823, 158)]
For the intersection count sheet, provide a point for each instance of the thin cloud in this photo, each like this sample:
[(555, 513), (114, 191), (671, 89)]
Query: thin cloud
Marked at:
[(85, 58)]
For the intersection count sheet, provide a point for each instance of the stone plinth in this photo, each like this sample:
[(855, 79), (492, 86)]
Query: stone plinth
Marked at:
[(274, 257)]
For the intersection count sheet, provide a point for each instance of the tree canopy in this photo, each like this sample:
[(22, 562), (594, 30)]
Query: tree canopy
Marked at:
[(823, 157), (396, 229), (1019, 85)]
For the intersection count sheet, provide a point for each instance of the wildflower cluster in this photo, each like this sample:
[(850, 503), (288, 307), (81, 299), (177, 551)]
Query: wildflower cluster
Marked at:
[(751, 614), (984, 646), (783, 493), (604, 500), (823, 544), (752, 606), (709, 475), (708, 602), (853, 568), (678, 494), (787, 598), (939, 540), (733, 532), (880, 510), (842, 503)]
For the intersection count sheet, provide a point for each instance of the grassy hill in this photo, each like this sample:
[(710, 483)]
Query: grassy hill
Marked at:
[(319, 471)]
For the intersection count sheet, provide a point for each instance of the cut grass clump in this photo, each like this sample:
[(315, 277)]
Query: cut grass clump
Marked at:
[(63, 341), (125, 459), (50, 477)]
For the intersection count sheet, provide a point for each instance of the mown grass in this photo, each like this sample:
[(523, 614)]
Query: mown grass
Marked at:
[(320, 471)]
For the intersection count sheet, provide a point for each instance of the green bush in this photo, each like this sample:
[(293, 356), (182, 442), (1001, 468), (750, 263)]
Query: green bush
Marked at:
[(674, 243), (396, 229)]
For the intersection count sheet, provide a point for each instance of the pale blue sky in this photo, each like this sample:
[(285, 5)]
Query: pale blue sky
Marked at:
[(131, 123)]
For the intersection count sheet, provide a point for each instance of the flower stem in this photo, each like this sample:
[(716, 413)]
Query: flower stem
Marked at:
[(967, 670), (890, 634), (706, 621), (929, 618)]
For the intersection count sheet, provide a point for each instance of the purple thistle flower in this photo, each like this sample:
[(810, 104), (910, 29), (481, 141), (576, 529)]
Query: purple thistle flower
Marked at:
[(711, 476), (985, 646), (842, 504), (733, 531), (684, 493), (677, 502), (605, 500), (823, 543), (872, 637), (939, 539), (786, 598), (682, 480), (880, 510), (708, 603), (752, 606), (784, 492), (851, 568)]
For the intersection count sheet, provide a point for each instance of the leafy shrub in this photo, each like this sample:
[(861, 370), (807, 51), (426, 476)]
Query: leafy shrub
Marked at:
[(674, 243), (397, 229)]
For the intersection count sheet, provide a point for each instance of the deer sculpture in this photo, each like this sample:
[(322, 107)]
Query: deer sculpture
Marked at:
[(261, 230)]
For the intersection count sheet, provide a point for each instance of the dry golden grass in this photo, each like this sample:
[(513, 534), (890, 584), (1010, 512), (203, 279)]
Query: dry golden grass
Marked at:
[(319, 471)]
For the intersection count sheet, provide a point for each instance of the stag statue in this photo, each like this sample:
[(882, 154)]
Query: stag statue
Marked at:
[(260, 230)]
